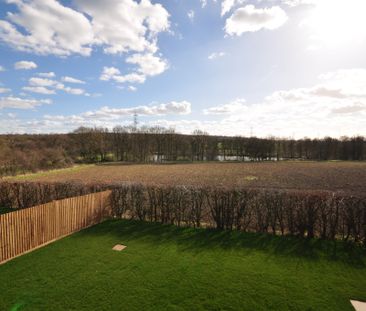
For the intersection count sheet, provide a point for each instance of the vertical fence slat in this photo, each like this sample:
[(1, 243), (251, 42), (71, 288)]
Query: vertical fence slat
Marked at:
[(23, 230)]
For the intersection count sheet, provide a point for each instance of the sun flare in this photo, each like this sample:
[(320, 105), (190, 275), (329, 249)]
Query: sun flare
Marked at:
[(337, 22)]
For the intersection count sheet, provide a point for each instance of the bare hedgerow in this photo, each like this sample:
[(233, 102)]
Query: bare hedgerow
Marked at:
[(326, 215)]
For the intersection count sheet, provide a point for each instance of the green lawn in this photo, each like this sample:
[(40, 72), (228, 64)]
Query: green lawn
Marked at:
[(170, 268)]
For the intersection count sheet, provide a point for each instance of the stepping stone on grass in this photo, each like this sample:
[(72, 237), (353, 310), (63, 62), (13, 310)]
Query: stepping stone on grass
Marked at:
[(119, 247), (359, 305)]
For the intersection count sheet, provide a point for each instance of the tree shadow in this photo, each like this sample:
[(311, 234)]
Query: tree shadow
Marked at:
[(199, 239)]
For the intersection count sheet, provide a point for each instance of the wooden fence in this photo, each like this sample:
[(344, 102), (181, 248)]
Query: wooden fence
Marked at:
[(24, 230)]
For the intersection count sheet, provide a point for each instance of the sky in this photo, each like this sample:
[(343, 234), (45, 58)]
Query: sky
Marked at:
[(285, 68)]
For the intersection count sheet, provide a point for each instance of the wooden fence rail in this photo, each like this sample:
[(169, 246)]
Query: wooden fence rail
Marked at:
[(24, 230)]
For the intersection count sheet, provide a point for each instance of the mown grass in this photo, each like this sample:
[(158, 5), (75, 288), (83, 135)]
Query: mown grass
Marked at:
[(170, 268)]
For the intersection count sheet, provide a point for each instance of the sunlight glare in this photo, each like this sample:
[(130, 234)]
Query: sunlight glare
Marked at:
[(337, 22)]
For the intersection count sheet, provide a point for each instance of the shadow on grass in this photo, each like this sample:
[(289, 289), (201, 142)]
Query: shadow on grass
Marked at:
[(198, 240)]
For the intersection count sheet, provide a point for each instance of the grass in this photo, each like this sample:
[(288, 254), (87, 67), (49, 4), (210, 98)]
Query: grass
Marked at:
[(40, 174), (170, 268)]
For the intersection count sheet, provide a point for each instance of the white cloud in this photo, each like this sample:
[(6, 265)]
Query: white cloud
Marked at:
[(203, 3), (21, 103), (104, 117), (47, 74), (132, 88), (108, 73), (38, 89), (26, 65), (43, 85), (227, 5), (4, 90), (2, 68), (181, 108), (335, 106), (49, 27), (294, 3), (238, 105), (215, 55), (73, 91), (190, 15), (42, 82), (117, 26), (112, 73), (251, 19), (72, 80), (122, 26), (147, 65)]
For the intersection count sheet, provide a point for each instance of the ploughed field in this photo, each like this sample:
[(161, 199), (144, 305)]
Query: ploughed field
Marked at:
[(349, 177)]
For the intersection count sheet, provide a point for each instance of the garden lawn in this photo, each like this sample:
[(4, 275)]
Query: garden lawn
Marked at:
[(170, 268)]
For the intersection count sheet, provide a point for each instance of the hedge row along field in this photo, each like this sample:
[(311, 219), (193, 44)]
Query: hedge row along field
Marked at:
[(27, 194), (327, 215), (302, 213)]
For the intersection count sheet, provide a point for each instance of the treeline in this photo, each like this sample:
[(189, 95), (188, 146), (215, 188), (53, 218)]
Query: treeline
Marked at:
[(326, 215), (21, 153)]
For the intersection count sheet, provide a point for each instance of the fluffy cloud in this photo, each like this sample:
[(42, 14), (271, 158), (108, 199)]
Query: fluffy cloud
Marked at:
[(21, 103), (42, 82), (335, 106), (47, 74), (251, 19), (2, 68), (25, 65), (73, 91), (148, 64), (235, 106), (215, 55), (49, 27), (112, 73), (173, 107), (72, 80), (227, 5), (4, 90), (104, 117), (49, 86), (293, 3), (38, 89), (118, 26), (122, 26), (190, 15)]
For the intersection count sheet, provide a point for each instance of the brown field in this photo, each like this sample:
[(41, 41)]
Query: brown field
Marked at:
[(335, 176)]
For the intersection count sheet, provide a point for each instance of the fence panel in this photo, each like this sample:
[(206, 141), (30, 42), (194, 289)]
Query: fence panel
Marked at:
[(24, 230)]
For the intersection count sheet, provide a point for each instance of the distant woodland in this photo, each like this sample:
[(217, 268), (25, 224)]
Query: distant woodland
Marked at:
[(29, 153)]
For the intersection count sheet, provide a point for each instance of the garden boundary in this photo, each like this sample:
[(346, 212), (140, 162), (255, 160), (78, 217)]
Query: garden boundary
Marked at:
[(25, 230)]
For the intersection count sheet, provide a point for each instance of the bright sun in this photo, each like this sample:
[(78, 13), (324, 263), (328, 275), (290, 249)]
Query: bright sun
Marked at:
[(337, 22)]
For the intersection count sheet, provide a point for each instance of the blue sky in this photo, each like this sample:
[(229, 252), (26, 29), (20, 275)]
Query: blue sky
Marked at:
[(289, 68)]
